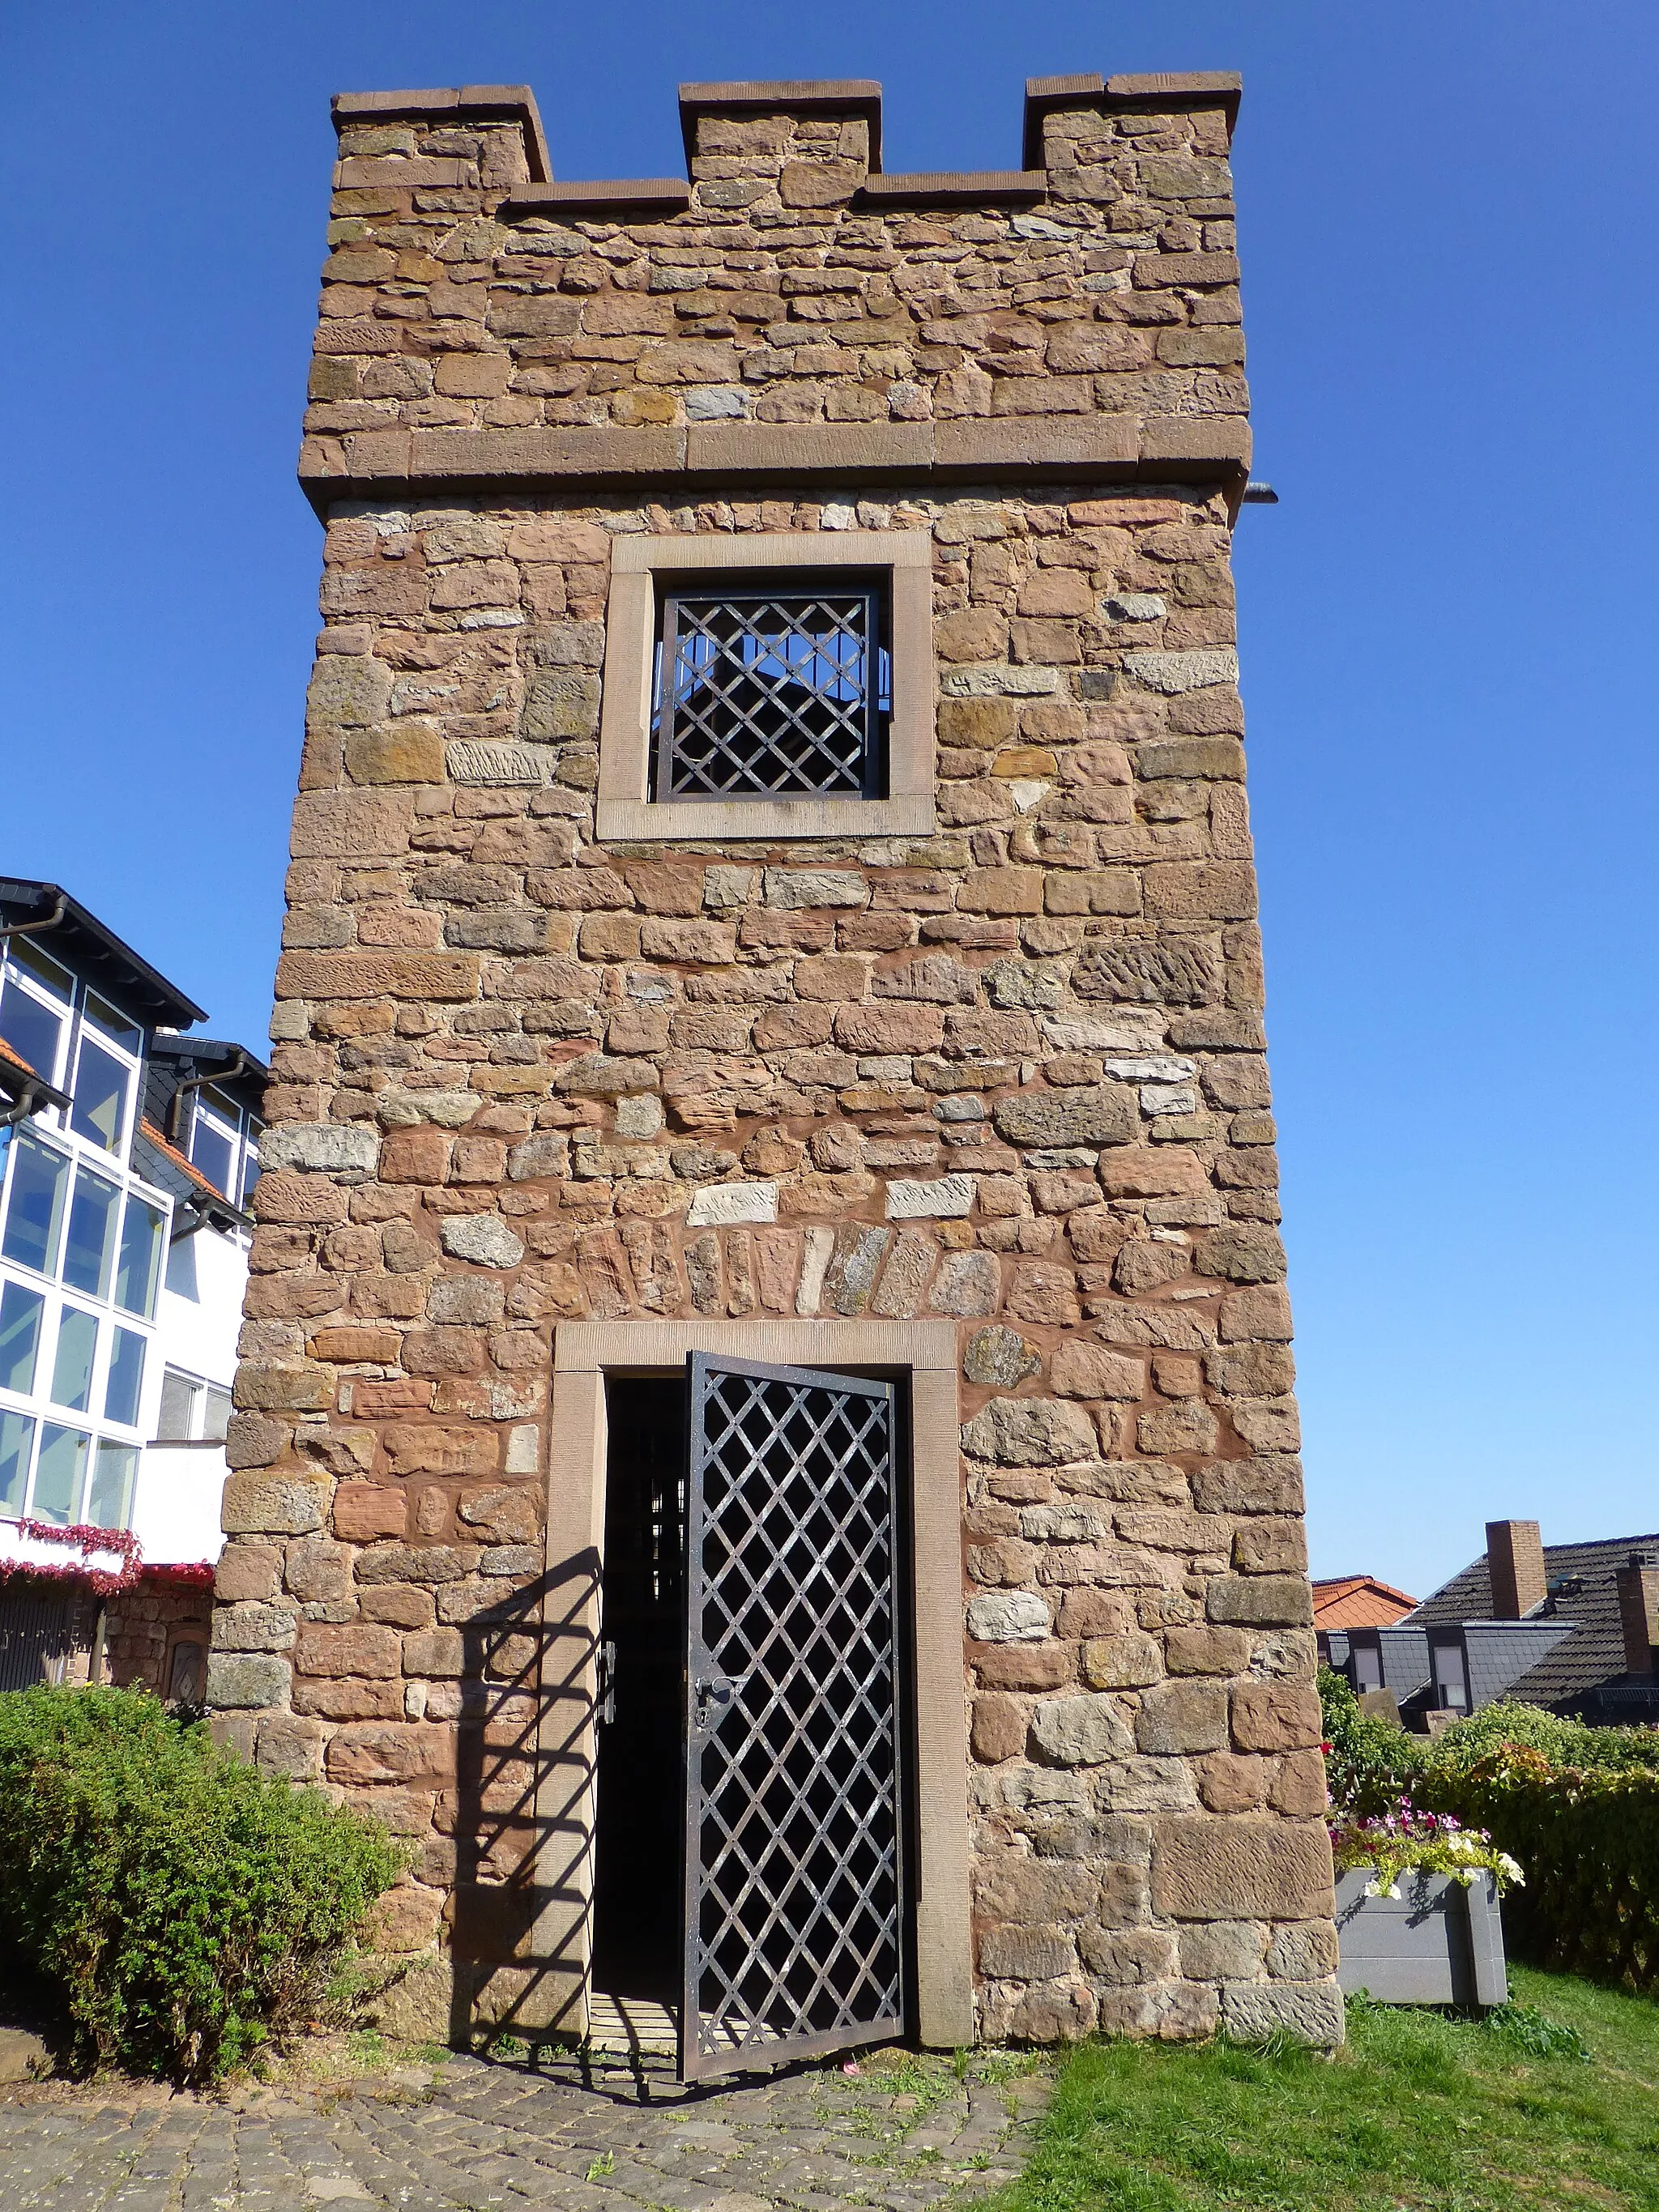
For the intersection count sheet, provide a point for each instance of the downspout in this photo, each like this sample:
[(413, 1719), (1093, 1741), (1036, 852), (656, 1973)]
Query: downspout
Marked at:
[(28, 1100), (195, 1082), (9, 930)]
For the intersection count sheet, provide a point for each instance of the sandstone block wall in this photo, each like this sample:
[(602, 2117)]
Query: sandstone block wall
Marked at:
[(145, 1624), (1011, 1074)]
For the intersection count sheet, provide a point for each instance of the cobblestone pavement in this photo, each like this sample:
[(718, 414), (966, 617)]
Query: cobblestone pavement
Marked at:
[(469, 2133)]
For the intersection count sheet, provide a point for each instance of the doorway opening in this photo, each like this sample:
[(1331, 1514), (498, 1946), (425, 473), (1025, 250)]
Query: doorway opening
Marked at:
[(753, 1817), (638, 1829)]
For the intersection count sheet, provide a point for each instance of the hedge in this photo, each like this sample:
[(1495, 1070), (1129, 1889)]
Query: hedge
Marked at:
[(182, 1907), (1577, 1806), (1588, 1840)]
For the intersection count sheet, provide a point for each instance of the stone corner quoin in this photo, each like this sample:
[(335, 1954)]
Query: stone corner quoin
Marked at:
[(1010, 1074)]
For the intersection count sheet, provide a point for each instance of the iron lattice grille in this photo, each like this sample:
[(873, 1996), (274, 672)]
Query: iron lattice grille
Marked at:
[(777, 694), (794, 1903)]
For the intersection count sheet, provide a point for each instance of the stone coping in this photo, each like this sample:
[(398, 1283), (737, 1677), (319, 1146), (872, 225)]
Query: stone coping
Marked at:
[(659, 195), (1102, 448), (944, 187)]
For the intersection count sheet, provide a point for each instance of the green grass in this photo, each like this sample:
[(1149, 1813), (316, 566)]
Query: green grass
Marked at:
[(1418, 2111)]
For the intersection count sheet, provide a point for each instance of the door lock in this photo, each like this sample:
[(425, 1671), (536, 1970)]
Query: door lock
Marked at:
[(711, 1700)]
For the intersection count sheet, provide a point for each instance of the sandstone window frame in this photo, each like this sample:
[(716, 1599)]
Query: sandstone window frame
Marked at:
[(923, 1355), (626, 812)]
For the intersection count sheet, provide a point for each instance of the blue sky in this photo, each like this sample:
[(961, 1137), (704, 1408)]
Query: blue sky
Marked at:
[(1448, 218)]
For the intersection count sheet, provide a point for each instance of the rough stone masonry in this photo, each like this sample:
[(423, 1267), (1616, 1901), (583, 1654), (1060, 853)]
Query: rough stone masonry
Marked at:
[(1010, 1074)]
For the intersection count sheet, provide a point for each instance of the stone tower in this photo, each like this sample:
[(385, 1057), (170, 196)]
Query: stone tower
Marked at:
[(934, 1052)]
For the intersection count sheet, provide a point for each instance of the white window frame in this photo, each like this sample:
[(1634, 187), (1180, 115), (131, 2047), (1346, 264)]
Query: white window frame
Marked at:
[(226, 1123), (86, 1030), (200, 1387), (12, 970), (240, 1124), (37, 1405)]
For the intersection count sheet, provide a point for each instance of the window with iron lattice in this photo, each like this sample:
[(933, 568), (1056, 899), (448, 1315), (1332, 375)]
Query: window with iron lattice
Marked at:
[(772, 686)]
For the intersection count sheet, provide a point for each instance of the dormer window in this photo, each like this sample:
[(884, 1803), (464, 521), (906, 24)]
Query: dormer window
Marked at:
[(224, 1145)]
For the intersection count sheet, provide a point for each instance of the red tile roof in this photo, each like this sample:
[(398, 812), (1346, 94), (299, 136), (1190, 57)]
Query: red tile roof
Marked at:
[(152, 1136), (1359, 1602)]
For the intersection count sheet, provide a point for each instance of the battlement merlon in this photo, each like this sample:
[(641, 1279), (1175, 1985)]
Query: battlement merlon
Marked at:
[(789, 313)]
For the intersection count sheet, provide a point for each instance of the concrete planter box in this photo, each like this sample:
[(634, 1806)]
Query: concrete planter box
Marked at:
[(1435, 1943)]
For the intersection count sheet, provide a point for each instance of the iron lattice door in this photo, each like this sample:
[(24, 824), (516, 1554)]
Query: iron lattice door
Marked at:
[(795, 1902)]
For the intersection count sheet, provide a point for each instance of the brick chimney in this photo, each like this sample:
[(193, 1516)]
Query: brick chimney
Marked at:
[(1637, 1583), (1514, 1561)]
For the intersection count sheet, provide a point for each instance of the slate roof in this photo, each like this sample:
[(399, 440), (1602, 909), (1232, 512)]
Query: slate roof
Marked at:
[(97, 953), (1593, 1654)]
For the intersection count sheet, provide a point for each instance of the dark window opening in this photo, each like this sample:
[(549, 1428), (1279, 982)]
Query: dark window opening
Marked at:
[(778, 687), (639, 1838)]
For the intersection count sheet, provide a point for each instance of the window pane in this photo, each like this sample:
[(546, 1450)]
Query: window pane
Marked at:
[(100, 1095), (26, 955), (59, 1473), (140, 1259), (125, 1383), (19, 1337), (216, 1420), (250, 1175), (214, 1151), (178, 1395), (180, 1277), (104, 1015), (34, 1031), (71, 1370), (90, 1243), (110, 1503), (39, 1178), (17, 1435)]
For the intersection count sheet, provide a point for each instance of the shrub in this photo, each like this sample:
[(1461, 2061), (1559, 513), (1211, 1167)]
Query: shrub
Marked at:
[(183, 1906), (1370, 1764), (1589, 1838), (1562, 1742)]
